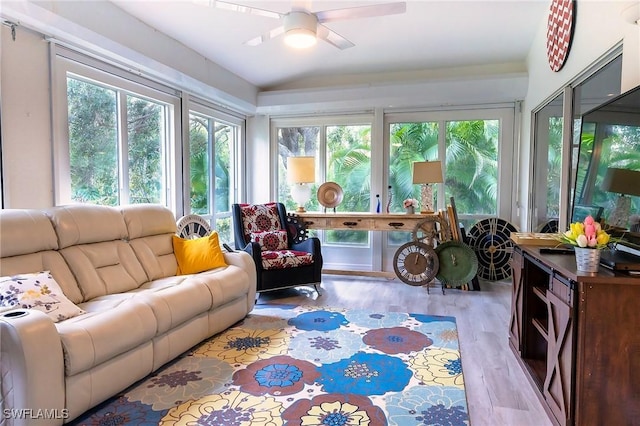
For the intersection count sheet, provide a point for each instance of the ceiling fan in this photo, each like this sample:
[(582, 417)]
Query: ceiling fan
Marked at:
[(302, 27)]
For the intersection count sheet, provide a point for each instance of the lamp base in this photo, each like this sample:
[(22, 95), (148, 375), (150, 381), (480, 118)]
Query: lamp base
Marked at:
[(301, 194), (300, 209), (426, 193)]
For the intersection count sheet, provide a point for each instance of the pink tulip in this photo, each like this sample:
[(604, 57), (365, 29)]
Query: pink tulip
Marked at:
[(592, 241), (589, 220), (590, 230)]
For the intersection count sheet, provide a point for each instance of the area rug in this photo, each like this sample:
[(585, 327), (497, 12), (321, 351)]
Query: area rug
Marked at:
[(303, 365)]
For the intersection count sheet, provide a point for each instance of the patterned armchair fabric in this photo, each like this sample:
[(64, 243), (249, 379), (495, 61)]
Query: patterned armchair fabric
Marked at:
[(260, 230)]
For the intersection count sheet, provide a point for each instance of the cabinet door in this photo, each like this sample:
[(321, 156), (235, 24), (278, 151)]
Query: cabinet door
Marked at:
[(557, 385), (515, 324)]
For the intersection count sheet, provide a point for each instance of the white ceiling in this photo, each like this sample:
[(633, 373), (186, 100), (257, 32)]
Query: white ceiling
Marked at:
[(432, 34)]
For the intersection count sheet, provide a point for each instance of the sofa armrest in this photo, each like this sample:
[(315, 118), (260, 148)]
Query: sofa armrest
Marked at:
[(244, 261), (31, 369)]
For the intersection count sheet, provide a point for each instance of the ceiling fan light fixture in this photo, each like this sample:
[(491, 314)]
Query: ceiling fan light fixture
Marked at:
[(300, 30), (300, 38)]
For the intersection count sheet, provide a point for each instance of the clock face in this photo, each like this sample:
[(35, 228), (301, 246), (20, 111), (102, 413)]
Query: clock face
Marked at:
[(559, 32), (192, 226), (415, 263), (491, 241)]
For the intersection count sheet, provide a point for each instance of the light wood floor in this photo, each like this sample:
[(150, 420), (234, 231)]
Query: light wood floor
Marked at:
[(498, 392)]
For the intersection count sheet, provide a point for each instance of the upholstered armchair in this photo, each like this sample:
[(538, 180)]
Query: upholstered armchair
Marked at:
[(261, 230)]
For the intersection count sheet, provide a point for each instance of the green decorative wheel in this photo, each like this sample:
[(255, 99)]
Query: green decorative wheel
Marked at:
[(458, 263)]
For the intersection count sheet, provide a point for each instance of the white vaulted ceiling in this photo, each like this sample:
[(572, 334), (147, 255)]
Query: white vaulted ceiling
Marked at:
[(431, 35)]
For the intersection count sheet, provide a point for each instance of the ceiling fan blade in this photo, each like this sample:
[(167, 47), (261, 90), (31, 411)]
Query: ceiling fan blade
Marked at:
[(265, 37), (239, 8), (361, 12), (333, 38)]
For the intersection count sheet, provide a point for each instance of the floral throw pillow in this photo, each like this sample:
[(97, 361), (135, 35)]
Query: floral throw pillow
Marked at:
[(271, 240), (36, 291)]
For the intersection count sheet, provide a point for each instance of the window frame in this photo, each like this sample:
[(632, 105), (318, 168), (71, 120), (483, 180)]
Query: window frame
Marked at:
[(73, 64)]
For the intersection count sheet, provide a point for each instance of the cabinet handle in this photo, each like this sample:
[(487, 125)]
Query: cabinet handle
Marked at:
[(350, 224), (396, 224), (309, 222)]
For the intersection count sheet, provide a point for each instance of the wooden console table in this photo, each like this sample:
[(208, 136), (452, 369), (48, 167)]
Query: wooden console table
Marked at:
[(363, 222), (576, 336)]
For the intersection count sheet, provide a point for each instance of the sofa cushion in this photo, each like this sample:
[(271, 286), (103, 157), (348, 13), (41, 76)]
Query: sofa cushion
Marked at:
[(198, 255), (29, 244), (25, 231), (104, 268), (151, 228), (113, 325), (86, 223), (36, 291), (143, 220)]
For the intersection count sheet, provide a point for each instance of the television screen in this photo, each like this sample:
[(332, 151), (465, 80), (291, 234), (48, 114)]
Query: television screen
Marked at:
[(608, 167)]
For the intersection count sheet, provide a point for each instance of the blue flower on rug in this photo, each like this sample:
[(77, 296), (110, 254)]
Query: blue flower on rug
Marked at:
[(365, 374), (121, 412), (319, 320), (280, 375), (324, 347), (443, 333), (376, 319), (428, 405)]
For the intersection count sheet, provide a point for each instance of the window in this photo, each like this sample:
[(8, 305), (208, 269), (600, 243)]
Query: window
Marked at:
[(214, 144), (476, 160), (554, 168), (342, 148), (115, 146)]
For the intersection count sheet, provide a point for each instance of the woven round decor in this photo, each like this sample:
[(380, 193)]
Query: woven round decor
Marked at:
[(490, 239)]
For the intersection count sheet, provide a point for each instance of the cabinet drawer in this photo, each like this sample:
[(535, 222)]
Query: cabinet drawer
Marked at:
[(394, 225), (316, 223), (349, 223)]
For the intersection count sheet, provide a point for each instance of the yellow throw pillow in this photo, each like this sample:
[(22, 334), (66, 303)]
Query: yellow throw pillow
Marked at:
[(198, 255)]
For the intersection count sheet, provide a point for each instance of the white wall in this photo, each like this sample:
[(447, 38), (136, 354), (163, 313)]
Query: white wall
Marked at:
[(599, 26), (26, 120)]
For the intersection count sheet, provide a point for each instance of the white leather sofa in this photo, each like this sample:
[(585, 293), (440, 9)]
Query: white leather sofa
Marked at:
[(117, 265)]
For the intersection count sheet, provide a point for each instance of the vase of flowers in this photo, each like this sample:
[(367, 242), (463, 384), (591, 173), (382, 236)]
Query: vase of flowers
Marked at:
[(410, 205), (588, 239)]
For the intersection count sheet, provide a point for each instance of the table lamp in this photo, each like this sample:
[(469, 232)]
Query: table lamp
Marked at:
[(623, 182), (300, 172), (426, 173)]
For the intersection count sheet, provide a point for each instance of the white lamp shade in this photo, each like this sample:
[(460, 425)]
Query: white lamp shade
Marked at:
[(301, 169), (427, 172)]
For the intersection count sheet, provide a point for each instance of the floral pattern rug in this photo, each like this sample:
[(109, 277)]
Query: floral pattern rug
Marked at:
[(304, 365)]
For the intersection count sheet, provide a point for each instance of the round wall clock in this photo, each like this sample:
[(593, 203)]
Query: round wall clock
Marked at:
[(192, 226), (415, 263), (491, 241), (560, 25)]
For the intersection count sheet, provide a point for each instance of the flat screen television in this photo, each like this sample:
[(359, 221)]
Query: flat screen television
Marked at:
[(610, 146)]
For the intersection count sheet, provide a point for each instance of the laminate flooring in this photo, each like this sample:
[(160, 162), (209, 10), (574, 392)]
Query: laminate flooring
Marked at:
[(498, 393)]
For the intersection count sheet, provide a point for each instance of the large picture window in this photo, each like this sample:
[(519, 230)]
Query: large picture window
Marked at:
[(115, 147), (214, 143)]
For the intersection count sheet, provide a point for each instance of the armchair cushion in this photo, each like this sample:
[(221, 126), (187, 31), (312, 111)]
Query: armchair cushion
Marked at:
[(259, 218), (271, 240), (281, 259), (198, 255)]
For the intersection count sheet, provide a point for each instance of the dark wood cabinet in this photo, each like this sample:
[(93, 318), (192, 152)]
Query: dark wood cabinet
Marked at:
[(577, 337)]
